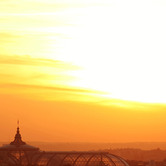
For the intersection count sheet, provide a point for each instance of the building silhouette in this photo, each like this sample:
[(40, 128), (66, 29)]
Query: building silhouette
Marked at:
[(18, 153)]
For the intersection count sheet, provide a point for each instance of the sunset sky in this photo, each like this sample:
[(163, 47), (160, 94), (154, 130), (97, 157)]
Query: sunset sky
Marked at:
[(83, 70)]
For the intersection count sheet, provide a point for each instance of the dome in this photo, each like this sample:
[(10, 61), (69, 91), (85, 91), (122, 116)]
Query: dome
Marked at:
[(18, 144), (19, 153), (80, 159)]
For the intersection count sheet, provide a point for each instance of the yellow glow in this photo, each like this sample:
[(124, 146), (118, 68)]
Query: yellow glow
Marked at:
[(118, 49), (121, 52), (83, 70)]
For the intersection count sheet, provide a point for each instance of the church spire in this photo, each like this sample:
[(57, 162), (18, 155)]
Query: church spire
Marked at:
[(18, 140), (18, 123)]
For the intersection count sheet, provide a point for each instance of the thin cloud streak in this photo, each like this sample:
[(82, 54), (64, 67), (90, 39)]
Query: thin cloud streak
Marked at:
[(48, 6), (28, 60), (132, 105), (44, 79), (48, 93), (25, 70), (74, 90)]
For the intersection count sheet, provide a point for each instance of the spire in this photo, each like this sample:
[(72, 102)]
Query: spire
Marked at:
[(18, 124), (17, 140)]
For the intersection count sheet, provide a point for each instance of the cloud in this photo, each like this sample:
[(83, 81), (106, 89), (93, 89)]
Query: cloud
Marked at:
[(7, 37), (25, 70), (36, 71), (51, 93), (28, 60), (39, 87), (41, 78)]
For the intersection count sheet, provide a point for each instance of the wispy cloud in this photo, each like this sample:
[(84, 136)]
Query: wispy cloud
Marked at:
[(47, 78), (50, 93), (46, 6), (7, 37), (39, 87), (28, 60), (34, 71)]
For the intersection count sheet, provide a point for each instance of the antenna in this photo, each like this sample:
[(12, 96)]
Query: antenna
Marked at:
[(18, 123)]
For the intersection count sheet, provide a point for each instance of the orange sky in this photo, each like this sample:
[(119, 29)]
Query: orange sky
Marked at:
[(83, 70)]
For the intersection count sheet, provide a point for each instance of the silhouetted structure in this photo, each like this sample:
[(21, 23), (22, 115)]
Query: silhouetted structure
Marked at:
[(20, 154)]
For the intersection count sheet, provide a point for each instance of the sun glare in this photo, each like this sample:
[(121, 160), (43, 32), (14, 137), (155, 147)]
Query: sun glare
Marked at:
[(119, 47), (118, 54), (83, 70)]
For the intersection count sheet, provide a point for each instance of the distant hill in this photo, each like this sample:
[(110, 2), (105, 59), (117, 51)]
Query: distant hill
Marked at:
[(98, 146), (130, 151), (140, 155)]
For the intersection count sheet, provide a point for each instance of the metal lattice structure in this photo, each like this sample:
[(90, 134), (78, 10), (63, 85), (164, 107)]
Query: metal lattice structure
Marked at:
[(64, 159), (18, 153)]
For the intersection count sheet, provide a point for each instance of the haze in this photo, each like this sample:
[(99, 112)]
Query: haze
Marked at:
[(83, 70)]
